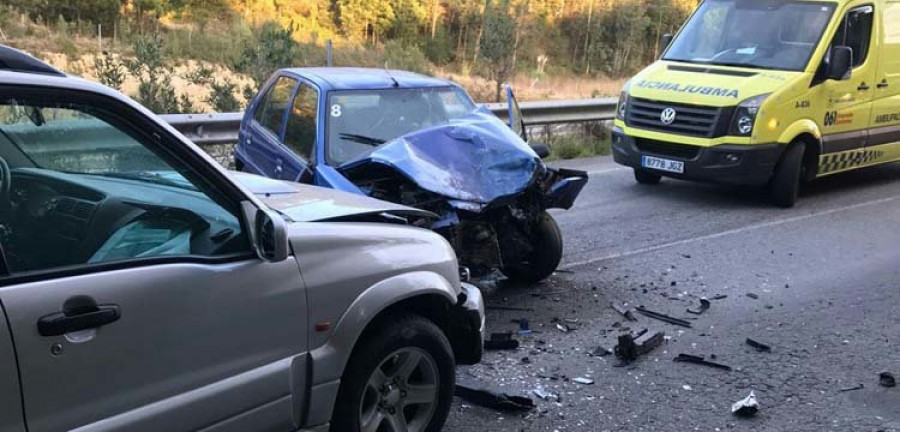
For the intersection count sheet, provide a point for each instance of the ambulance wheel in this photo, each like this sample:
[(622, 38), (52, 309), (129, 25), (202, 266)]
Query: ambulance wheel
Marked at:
[(645, 177), (785, 184)]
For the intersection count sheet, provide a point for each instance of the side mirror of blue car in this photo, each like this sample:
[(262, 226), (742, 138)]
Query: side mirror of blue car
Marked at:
[(541, 149)]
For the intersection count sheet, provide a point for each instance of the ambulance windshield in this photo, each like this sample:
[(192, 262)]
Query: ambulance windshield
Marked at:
[(779, 35)]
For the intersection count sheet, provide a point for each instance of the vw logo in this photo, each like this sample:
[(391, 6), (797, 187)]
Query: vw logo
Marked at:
[(668, 116)]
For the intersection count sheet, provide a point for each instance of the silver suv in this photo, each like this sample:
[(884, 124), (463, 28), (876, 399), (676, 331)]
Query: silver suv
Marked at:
[(144, 288)]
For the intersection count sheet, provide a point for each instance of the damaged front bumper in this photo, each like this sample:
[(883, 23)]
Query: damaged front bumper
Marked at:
[(467, 326), (565, 189)]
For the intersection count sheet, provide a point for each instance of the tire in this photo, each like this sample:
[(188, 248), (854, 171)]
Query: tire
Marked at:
[(366, 396), (784, 187), (238, 164), (546, 253), (645, 177)]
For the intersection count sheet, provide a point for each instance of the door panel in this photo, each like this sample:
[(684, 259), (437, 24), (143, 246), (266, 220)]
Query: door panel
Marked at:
[(300, 134), (267, 127), (848, 104), (195, 345), (886, 108), (10, 401), (516, 121)]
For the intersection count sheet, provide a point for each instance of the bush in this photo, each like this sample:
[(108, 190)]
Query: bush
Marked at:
[(439, 49), (405, 57), (271, 48), (110, 70), (571, 146), (221, 93), (154, 75)]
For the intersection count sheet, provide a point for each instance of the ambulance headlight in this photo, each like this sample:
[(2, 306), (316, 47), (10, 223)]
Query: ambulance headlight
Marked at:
[(622, 106), (745, 115)]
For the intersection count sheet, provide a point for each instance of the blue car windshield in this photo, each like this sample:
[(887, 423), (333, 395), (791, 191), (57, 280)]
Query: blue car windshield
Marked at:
[(360, 120), (768, 34)]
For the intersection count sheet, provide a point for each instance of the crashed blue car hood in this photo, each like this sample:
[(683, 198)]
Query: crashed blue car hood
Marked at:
[(474, 159)]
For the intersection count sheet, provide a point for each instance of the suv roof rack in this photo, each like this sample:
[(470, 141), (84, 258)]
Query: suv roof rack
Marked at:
[(14, 60)]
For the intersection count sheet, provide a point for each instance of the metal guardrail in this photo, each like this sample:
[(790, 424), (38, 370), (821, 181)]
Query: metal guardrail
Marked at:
[(222, 128)]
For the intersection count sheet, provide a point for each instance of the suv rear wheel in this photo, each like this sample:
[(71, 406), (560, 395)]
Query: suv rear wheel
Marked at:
[(399, 379)]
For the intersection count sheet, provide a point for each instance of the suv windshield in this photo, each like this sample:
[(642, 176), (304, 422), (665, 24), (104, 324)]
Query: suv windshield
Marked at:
[(751, 33), (360, 120)]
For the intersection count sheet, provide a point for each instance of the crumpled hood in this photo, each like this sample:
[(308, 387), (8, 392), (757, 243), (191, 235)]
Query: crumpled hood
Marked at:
[(708, 85), (305, 203), (475, 159)]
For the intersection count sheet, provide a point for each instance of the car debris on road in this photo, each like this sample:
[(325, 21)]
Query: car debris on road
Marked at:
[(485, 396), (859, 386), (688, 358), (624, 311), (501, 341), (663, 317), (761, 347), (630, 347), (746, 407), (886, 379), (704, 306)]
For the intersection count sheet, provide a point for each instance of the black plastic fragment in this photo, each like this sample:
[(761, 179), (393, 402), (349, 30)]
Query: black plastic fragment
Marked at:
[(501, 341), (761, 347), (688, 358), (663, 317), (482, 395), (704, 306)]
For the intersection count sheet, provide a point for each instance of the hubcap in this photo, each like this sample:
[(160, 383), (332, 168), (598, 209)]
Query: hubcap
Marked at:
[(401, 394)]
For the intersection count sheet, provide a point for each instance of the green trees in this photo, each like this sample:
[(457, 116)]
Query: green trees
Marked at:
[(270, 48), (498, 43), (496, 39)]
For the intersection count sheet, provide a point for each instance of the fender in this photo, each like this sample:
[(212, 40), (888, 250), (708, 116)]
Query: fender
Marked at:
[(801, 127), (329, 360)]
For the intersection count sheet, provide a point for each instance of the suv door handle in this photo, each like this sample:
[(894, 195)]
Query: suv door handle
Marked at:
[(79, 313), (883, 84), (863, 87)]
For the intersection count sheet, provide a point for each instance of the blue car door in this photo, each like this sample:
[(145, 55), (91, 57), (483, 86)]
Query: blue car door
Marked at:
[(262, 142), (300, 134), (516, 122)]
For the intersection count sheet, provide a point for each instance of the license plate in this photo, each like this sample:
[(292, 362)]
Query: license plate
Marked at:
[(662, 164)]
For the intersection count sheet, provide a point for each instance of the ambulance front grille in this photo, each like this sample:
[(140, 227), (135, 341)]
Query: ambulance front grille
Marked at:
[(692, 120)]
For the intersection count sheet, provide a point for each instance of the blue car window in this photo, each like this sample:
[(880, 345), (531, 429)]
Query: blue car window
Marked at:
[(300, 134), (270, 114)]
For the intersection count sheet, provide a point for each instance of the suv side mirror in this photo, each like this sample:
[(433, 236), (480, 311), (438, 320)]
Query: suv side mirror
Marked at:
[(267, 233), (840, 67), (541, 149), (665, 41)]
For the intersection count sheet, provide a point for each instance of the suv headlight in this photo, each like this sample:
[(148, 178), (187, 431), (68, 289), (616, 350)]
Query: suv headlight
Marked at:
[(622, 105), (745, 115)]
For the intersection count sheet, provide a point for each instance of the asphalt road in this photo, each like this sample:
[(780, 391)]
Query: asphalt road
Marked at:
[(826, 274)]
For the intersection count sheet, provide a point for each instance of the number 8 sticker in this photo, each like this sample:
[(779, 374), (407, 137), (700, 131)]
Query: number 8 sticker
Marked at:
[(335, 110)]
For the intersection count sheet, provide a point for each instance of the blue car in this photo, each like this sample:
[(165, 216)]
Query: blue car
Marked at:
[(422, 142)]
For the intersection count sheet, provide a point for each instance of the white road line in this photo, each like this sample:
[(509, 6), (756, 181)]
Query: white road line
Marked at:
[(728, 232)]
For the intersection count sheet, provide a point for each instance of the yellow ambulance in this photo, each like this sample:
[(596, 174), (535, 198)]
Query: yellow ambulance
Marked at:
[(767, 92)]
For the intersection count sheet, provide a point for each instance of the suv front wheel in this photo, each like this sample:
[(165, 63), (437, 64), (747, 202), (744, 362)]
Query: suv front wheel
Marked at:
[(399, 379)]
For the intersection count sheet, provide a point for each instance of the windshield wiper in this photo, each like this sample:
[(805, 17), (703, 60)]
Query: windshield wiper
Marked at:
[(362, 139), (736, 64)]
